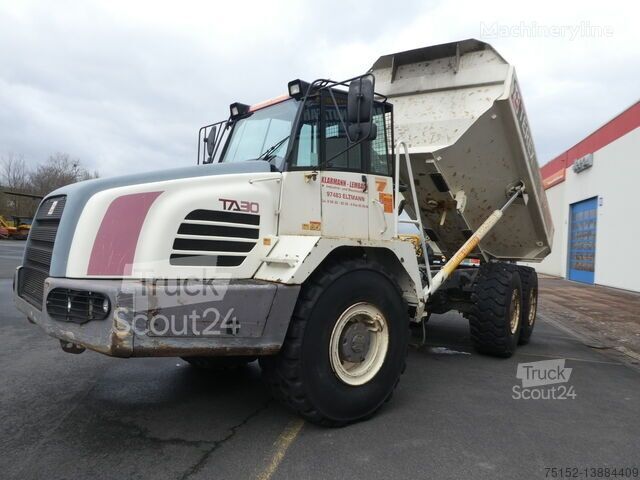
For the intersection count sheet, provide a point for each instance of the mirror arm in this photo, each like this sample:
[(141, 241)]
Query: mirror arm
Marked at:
[(344, 125)]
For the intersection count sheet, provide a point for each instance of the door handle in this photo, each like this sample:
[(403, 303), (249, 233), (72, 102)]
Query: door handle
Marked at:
[(384, 218)]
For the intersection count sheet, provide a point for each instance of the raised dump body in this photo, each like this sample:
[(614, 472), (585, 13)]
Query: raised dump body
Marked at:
[(458, 108)]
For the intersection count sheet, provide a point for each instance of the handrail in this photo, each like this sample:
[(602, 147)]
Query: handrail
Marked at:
[(418, 221)]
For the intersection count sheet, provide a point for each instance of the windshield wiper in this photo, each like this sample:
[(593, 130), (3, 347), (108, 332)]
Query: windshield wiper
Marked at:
[(269, 151)]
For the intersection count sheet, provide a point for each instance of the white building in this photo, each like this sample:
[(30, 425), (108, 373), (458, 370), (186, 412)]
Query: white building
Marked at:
[(594, 195)]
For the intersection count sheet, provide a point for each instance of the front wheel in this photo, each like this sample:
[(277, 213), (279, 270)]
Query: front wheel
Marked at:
[(346, 345)]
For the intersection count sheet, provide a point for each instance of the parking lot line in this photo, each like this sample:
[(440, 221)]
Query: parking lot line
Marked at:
[(285, 439)]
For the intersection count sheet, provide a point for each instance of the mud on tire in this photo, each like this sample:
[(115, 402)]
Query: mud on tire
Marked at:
[(304, 375), (496, 313), (529, 278)]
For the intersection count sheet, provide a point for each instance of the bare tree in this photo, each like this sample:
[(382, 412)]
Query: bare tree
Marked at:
[(14, 171), (15, 177), (59, 170)]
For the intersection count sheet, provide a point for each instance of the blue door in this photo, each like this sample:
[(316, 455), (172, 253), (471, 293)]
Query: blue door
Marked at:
[(582, 240)]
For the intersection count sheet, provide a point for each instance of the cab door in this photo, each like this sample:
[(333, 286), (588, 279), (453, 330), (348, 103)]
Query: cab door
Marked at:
[(343, 181), (334, 190), (300, 209)]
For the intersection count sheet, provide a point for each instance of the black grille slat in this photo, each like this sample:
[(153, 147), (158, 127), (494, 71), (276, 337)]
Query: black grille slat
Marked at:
[(212, 245), (45, 233), (224, 216), (39, 255), (39, 249), (218, 231), (31, 285), (51, 208), (187, 260)]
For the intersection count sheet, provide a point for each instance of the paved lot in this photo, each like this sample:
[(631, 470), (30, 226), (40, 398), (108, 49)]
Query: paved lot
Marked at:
[(453, 415)]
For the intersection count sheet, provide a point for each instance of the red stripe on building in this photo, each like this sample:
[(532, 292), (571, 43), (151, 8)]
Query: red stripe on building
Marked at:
[(553, 172), (115, 245)]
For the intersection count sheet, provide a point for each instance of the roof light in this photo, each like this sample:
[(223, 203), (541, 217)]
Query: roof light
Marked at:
[(298, 88), (237, 109)]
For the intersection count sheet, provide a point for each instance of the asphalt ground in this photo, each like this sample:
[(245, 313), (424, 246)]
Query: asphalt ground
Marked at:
[(453, 415)]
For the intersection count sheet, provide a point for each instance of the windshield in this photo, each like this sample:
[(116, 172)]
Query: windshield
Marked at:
[(267, 128)]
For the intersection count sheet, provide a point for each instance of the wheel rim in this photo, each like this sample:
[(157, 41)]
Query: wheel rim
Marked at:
[(514, 311), (533, 306), (359, 343)]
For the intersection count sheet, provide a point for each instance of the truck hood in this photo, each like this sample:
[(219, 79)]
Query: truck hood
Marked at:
[(79, 194)]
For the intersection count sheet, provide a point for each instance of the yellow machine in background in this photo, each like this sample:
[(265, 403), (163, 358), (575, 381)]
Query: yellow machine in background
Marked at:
[(16, 229)]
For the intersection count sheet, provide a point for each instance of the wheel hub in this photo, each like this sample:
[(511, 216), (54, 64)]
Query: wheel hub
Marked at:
[(533, 306), (355, 342), (514, 310), (359, 343)]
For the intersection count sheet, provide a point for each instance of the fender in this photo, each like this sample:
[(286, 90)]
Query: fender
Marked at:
[(295, 257)]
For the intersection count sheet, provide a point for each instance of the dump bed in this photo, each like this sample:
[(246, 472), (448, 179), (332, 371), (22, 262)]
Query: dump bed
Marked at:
[(459, 109)]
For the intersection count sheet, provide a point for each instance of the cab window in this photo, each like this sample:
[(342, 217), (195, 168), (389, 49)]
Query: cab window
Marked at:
[(381, 162), (306, 152), (336, 141), (321, 140)]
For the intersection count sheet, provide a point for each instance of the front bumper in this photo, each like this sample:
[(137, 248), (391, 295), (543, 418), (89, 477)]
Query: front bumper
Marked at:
[(238, 317)]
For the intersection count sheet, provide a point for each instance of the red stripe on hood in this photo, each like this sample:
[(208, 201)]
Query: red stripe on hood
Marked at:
[(115, 245)]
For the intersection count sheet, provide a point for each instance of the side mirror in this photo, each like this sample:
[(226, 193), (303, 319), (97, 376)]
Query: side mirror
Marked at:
[(211, 143), (360, 109)]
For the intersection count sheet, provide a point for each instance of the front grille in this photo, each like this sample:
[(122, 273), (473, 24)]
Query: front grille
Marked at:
[(212, 238), (37, 257), (77, 306)]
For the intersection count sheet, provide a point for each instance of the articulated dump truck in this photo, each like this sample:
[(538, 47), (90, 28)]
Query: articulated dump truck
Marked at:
[(285, 243)]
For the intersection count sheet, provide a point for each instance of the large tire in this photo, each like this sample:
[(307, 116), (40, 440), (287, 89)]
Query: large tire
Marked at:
[(529, 279), (218, 363), (496, 313), (311, 375)]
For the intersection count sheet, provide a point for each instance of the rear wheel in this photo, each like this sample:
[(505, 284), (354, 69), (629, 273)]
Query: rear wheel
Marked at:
[(218, 363), (496, 312), (529, 279), (346, 345)]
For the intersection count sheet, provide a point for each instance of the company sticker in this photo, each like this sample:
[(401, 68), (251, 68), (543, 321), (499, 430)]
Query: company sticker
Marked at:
[(386, 199)]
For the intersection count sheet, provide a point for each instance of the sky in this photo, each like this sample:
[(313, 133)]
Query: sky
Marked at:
[(125, 85)]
